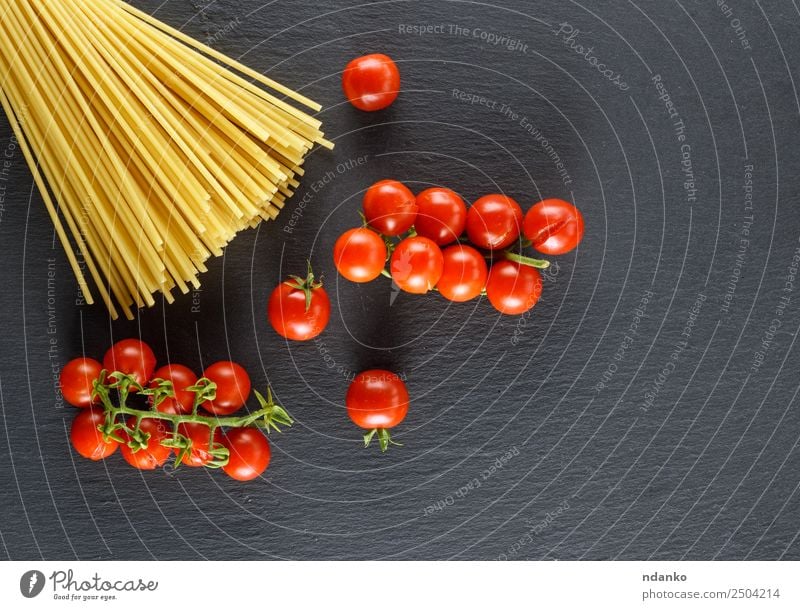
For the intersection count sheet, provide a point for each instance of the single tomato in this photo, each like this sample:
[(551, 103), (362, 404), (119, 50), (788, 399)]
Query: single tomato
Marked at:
[(299, 309), (441, 215), (132, 357), (494, 222), (77, 381), (182, 377), (371, 82), (554, 226), (390, 208), (359, 255), (416, 265), (233, 387), (377, 399), (86, 437), (513, 288), (463, 274), (249, 453), (154, 454)]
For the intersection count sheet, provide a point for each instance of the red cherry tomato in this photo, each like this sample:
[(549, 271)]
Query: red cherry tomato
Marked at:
[(442, 215), (77, 379), (233, 387), (494, 221), (359, 255), (200, 436), (416, 265), (371, 82), (154, 454), (377, 399), (389, 207), (464, 273), (250, 453), (293, 316), (182, 377), (87, 439), (554, 226), (513, 288), (132, 357)]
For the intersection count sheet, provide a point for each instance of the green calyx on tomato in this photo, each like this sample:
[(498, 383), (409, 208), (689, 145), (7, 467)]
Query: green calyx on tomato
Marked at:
[(308, 284), (384, 439)]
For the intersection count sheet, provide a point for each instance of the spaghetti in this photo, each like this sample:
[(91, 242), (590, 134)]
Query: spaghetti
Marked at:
[(153, 149)]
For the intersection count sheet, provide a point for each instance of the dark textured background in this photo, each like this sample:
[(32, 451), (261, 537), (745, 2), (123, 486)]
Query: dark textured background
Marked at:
[(709, 470)]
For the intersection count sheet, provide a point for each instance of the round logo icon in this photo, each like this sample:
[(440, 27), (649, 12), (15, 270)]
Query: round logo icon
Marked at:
[(31, 583)]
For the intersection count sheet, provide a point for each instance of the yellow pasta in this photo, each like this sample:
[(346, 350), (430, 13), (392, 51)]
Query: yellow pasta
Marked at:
[(154, 149)]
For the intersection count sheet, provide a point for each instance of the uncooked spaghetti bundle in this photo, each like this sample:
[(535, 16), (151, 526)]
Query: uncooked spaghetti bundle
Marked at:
[(150, 149)]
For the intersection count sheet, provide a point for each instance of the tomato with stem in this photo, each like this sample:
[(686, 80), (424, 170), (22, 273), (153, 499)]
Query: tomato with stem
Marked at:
[(132, 357), (150, 453), (249, 453), (299, 308), (182, 377), (464, 273), (233, 387), (494, 222), (376, 401), (513, 288), (86, 437), (442, 215), (359, 255), (390, 207), (77, 381), (554, 226), (200, 444), (371, 82), (416, 265)]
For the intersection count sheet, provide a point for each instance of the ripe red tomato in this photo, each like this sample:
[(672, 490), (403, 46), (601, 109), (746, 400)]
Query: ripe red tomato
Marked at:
[(464, 273), (513, 288), (155, 454), (200, 435), (359, 255), (377, 399), (442, 215), (250, 453), (87, 439), (554, 226), (182, 377), (76, 381), (132, 357), (296, 313), (494, 221), (416, 265), (389, 207), (371, 82), (233, 387)]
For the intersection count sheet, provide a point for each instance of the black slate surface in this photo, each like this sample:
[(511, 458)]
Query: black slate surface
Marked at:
[(707, 468)]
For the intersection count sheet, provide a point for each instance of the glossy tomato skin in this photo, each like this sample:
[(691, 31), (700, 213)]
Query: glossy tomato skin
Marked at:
[(512, 288), (87, 439), (182, 377), (287, 313), (416, 265), (132, 357), (441, 215), (554, 226), (464, 273), (200, 435), (494, 222), (377, 399), (155, 454), (249, 453), (233, 387), (77, 379), (390, 207), (371, 82), (359, 255)]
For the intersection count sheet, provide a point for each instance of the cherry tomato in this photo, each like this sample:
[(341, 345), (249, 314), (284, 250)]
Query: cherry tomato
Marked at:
[(154, 454), (359, 255), (132, 357), (371, 82), (377, 399), (464, 273), (299, 310), (87, 439), (389, 207), (416, 265), (513, 288), (77, 379), (494, 221), (233, 387), (182, 377), (442, 215), (200, 436), (554, 226), (250, 453)]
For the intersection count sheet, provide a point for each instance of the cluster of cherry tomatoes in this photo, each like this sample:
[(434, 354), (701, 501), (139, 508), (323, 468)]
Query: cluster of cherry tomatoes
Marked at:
[(432, 254), (248, 452)]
